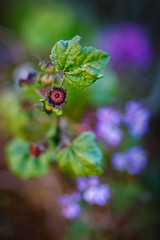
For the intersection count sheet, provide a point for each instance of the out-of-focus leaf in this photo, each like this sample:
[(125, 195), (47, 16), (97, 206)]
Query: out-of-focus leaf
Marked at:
[(24, 165), (19, 121), (105, 93), (49, 23), (13, 118), (83, 158), (81, 66)]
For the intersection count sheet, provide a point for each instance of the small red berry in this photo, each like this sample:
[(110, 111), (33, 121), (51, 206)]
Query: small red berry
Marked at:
[(36, 150)]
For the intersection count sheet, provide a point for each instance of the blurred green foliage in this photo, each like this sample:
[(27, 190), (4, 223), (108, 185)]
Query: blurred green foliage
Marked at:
[(18, 116), (13, 118), (40, 27), (105, 92), (79, 229), (23, 164), (124, 195)]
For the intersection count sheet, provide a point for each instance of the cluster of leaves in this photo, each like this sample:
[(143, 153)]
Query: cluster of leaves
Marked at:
[(71, 66), (82, 158)]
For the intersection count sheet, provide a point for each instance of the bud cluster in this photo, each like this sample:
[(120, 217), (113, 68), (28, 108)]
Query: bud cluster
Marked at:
[(52, 97), (28, 80)]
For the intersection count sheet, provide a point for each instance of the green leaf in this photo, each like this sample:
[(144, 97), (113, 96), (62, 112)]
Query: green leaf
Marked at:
[(83, 158), (24, 165), (64, 53), (81, 66)]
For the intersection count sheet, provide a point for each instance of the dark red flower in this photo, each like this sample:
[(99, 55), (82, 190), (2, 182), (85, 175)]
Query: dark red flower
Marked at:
[(57, 97), (36, 150)]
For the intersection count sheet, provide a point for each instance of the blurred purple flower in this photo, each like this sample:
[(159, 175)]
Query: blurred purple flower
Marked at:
[(23, 72), (65, 199), (70, 207), (84, 182), (81, 183), (136, 118), (128, 45), (119, 161), (98, 195), (137, 159), (93, 181), (71, 210), (107, 126), (90, 194), (109, 133), (133, 160), (109, 115), (76, 196)]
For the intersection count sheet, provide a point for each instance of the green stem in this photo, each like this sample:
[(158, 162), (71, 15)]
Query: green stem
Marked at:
[(62, 79), (52, 81), (61, 132)]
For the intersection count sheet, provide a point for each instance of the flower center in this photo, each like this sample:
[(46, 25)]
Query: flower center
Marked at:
[(57, 95)]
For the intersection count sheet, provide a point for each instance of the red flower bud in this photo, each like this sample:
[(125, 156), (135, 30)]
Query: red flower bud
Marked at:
[(28, 80), (36, 150)]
